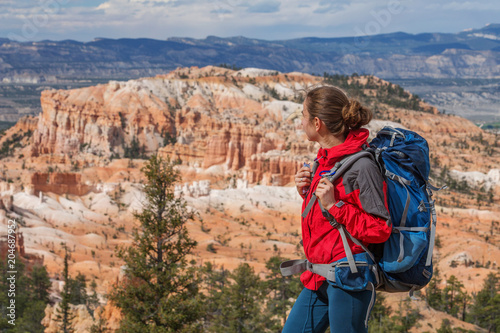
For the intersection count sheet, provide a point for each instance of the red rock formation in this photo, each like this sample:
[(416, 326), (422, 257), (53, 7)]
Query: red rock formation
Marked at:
[(217, 116), (28, 259), (100, 120), (59, 183)]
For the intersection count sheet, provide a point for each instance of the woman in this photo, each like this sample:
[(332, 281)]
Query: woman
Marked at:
[(356, 200)]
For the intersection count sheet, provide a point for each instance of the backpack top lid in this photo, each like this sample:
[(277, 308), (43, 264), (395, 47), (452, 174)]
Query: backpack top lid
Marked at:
[(408, 142)]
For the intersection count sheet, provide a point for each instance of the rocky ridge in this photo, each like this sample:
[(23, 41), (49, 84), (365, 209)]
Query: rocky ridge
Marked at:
[(395, 55)]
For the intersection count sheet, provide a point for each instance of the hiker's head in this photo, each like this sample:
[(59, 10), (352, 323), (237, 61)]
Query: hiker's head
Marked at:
[(338, 112)]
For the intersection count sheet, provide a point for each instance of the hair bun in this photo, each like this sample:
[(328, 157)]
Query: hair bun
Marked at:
[(355, 115)]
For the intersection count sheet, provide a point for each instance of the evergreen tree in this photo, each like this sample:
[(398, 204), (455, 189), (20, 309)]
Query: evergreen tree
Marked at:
[(78, 289), (100, 326), (92, 299), (63, 315), (445, 327), (453, 296), (215, 282), (280, 292), (37, 292), (32, 296), (159, 291), (244, 298), (485, 311), (40, 283), (405, 317), (31, 319), (433, 294), (380, 320)]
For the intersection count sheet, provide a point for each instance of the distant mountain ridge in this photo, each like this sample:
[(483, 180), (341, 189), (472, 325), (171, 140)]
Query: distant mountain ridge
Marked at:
[(467, 54)]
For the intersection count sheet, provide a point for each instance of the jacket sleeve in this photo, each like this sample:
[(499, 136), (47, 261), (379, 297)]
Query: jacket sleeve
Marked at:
[(366, 217)]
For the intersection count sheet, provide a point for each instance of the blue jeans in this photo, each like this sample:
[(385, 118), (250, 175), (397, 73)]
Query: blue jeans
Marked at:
[(344, 311)]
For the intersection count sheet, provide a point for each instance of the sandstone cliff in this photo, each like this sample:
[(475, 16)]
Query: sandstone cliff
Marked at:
[(215, 116)]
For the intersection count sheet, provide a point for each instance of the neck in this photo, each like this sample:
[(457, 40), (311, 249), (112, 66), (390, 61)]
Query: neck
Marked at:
[(330, 141)]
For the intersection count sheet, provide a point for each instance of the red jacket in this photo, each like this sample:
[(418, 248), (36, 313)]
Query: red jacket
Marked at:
[(361, 206)]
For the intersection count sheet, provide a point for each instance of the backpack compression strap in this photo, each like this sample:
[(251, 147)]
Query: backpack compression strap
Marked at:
[(431, 188)]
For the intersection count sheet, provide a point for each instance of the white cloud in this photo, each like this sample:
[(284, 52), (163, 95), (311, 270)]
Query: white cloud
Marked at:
[(272, 19)]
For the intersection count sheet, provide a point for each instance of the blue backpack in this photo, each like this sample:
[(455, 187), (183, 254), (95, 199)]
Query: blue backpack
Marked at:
[(403, 156), (405, 263)]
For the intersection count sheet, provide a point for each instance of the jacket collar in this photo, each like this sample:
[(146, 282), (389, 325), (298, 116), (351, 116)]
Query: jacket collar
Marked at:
[(352, 144)]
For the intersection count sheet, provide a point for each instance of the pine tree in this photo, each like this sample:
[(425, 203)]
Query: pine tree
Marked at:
[(100, 326), (40, 283), (405, 317), (281, 291), (92, 299), (485, 310), (244, 300), (214, 282), (64, 316), (32, 296), (453, 296), (78, 289), (159, 291), (445, 327), (433, 293)]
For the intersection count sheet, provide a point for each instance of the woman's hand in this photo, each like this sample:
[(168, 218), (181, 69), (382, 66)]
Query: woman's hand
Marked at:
[(325, 193), (303, 180)]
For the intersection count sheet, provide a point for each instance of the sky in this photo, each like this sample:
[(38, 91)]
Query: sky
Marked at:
[(84, 20)]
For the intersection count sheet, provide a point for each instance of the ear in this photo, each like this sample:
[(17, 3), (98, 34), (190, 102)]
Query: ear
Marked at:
[(317, 124)]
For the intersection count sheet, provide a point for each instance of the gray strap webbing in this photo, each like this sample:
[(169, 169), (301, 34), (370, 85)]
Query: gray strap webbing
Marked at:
[(375, 272), (339, 168), (309, 205), (391, 132), (372, 302), (313, 197), (347, 249), (291, 267), (434, 188), (433, 235), (433, 224), (397, 229), (421, 206), (357, 242), (325, 270), (404, 182), (392, 139)]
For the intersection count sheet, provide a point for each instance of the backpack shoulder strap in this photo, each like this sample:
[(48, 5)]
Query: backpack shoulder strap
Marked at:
[(338, 169)]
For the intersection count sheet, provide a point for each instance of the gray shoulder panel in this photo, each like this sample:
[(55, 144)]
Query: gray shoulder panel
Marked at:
[(365, 176)]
